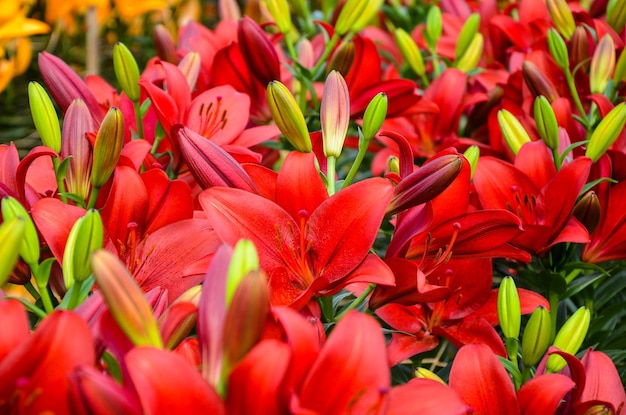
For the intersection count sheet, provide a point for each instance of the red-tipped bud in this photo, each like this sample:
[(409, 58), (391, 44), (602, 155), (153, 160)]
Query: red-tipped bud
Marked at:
[(93, 392), (579, 48), (342, 59), (65, 85), (425, 183), (108, 147), (538, 83), (587, 210), (164, 44), (74, 143), (602, 65), (209, 164), (334, 114), (258, 51)]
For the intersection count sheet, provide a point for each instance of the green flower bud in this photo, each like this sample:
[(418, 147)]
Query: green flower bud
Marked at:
[(243, 261), (355, 15), (602, 65), (44, 116), (334, 114), (371, 8), (509, 308), (472, 54), (422, 373), (29, 249), (561, 17), (546, 123), (86, 236), (606, 132), (288, 117), (279, 9), (434, 27), (472, 155), (374, 115), (569, 338), (126, 71), (600, 409), (558, 49), (466, 35), (125, 300), (410, 51), (393, 165), (537, 337), (620, 69), (513, 131), (616, 14), (108, 147), (11, 239)]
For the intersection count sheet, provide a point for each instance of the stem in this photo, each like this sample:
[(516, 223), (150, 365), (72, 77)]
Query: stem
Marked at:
[(553, 298), (572, 87), (138, 119), (60, 183), (330, 176), (32, 290), (329, 48), (74, 295), (93, 197), (363, 144), (357, 301), (526, 373), (32, 307)]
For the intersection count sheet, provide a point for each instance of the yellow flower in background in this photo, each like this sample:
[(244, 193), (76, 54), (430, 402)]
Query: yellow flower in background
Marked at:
[(128, 10), (64, 12)]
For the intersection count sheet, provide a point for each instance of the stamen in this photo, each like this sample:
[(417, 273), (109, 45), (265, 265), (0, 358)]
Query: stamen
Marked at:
[(132, 244)]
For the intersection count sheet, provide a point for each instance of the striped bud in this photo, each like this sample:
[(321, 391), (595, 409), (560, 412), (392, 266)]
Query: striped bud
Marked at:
[(569, 338), (561, 17), (558, 49), (620, 69), (602, 65), (472, 54), (126, 71), (466, 35), (537, 337), (11, 239), (44, 116), (513, 131), (410, 51), (538, 83), (587, 210), (578, 47), (545, 120), (616, 14), (29, 249), (125, 300), (107, 147), (606, 132), (342, 59), (355, 15), (288, 117)]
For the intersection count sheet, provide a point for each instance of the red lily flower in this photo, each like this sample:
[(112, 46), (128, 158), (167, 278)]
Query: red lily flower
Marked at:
[(539, 195), (35, 373), (306, 240)]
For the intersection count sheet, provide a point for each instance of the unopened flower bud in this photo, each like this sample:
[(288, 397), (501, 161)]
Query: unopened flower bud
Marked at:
[(355, 15), (125, 300), (288, 117), (393, 165), (561, 17), (545, 120), (423, 373), (466, 35), (279, 9), (258, 51), (334, 114), (620, 68), (537, 337), (343, 58), (600, 409), (513, 131), (29, 249), (85, 237), (602, 65), (374, 115), (616, 14), (558, 49), (569, 338), (472, 154), (425, 183), (606, 132), (107, 147), (509, 309), (587, 210), (410, 51), (472, 54), (126, 71), (538, 83), (164, 44), (243, 260), (44, 116), (434, 27), (11, 239), (578, 47)]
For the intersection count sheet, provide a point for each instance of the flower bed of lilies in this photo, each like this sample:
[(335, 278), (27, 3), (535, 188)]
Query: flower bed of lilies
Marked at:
[(357, 208)]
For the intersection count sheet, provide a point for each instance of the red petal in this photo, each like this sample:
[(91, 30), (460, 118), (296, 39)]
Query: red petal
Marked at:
[(543, 394), (473, 329), (169, 201), (603, 381), (482, 381), (431, 397), (14, 325), (166, 383)]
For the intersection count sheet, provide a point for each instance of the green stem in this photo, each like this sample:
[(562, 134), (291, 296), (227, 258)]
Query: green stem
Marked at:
[(526, 374), (32, 290), (74, 295), (138, 119), (553, 299), (93, 198), (331, 174), (60, 182), (363, 145), (572, 87), (357, 301), (32, 307)]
